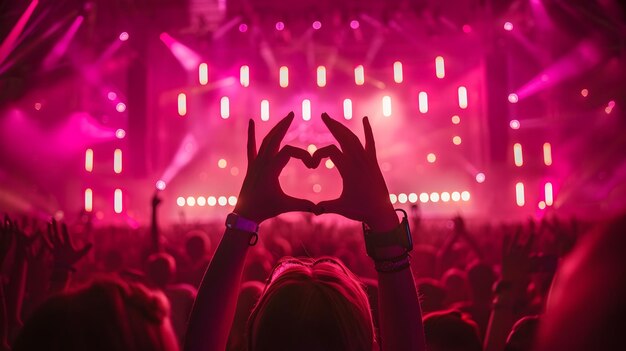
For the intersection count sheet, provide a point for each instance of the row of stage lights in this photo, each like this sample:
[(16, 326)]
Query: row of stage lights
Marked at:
[(321, 79), (434, 197), (386, 107)]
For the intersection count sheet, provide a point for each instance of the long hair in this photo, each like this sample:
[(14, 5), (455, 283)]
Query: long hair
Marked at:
[(311, 304)]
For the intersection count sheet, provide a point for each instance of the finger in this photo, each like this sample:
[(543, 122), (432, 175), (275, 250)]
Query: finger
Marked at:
[(272, 140), (251, 142), (291, 204), (347, 140), (332, 152), (82, 252), (288, 152), (370, 146), (65, 234), (47, 239)]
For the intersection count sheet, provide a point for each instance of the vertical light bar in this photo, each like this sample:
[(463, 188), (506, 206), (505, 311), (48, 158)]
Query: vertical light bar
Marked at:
[(547, 154), (517, 154), (423, 102), (203, 73), (117, 161), (88, 200), (224, 107), (244, 76), (397, 72), (89, 160), (117, 201), (321, 76), (284, 76), (265, 110), (519, 194), (347, 109), (549, 196), (462, 97), (440, 69), (306, 109), (386, 106), (359, 75), (182, 104)]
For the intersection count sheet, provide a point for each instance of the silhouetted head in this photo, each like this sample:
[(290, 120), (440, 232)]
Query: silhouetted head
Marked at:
[(105, 315), (197, 245), (523, 334), (451, 331), (311, 305), (455, 283), (161, 269), (481, 278)]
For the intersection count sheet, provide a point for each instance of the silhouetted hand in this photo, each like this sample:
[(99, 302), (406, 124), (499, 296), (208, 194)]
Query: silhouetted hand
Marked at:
[(60, 244), (365, 196), (261, 196)]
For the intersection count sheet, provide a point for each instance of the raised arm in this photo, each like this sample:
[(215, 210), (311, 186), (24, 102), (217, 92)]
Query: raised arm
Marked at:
[(365, 198), (260, 198)]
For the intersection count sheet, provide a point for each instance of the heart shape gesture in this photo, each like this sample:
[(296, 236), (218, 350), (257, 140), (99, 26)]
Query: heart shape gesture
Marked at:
[(364, 196)]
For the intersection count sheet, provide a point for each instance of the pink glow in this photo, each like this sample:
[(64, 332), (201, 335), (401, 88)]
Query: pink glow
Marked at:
[(548, 194), (347, 109), (224, 107), (88, 200), (265, 110), (306, 109), (182, 104), (434, 197), (386, 106), (456, 119), (431, 158), (508, 26), (188, 58), (579, 60), (203, 73), (397, 72), (180, 201), (321, 76), (10, 41), (519, 194), (440, 69), (465, 195), (120, 133), (462, 93), (280, 26), (456, 140), (89, 160), (423, 102), (283, 77), (317, 25), (467, 28), (243, 28), (61, 46), (456, 196), (111, 96), (517, 154), (117, 202), (359, 75), (354, 24), (547, 154), (514, 124), (160, 184), (513, 98), (423, 198), (244, 76), (584, 92), (117, 161), (124, 36), (480, 177), (120, 107)]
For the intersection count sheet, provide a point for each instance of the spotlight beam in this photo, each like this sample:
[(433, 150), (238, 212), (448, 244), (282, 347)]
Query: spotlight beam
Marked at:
[(9, 42)]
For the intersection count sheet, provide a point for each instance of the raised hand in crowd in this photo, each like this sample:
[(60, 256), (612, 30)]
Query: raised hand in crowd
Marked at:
[(64, 253)]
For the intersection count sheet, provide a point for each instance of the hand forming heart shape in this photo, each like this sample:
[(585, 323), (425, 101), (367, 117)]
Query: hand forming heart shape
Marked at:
[(364, 196)]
